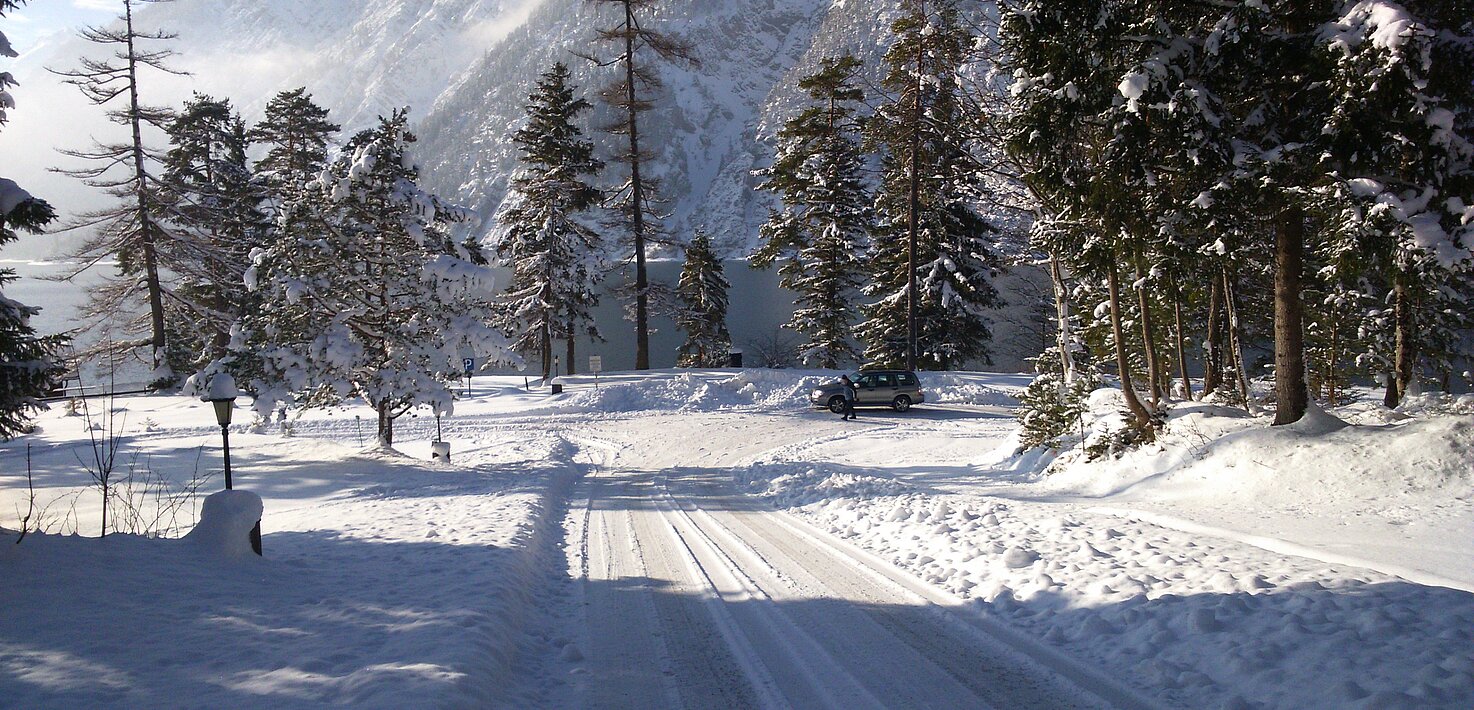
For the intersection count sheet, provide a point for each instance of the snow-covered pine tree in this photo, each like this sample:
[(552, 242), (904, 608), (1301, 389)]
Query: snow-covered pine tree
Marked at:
[(365, 291), (931, 258), (30, 365), (630, 95), (131, 230), (214, 201), (296, 133), (1066, 61), (1401, 172), (702, 291), (554, 257), (822, 228)]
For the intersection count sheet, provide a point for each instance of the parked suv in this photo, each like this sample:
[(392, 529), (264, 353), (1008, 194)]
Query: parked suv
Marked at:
[(897, 389)]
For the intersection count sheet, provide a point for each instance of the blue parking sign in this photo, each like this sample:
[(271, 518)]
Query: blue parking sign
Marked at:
[(470, 364)]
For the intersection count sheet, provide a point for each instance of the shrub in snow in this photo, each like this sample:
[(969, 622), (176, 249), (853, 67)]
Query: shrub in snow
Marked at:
[(1051, 408), (226, 520)]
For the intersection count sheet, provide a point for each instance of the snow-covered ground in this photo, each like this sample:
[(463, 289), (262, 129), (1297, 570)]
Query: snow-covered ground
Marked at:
[(680, 538)]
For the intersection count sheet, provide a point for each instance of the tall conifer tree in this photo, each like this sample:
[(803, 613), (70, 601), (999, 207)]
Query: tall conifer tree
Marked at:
[(296, 133), (554, 256), (702, 291), (30, 365), (367, 291), (931, 255), (131, 231), (822, 229), (212, 199), (630, 95)]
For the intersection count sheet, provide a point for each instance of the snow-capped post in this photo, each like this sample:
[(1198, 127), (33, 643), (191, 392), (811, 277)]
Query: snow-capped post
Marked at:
[(440, 448), (222, 394)]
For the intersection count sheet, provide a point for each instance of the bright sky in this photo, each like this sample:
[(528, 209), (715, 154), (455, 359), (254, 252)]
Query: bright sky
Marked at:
[(38, 19)]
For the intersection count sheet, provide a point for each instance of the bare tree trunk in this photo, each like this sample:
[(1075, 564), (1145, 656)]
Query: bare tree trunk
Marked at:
[(1062, 317), (1291, 394), (145, 219), (545, 348), (1241, 368), (1333, 358), (1133, 402), (1148, 343), (637, 194), (1213, 346), (572, 337), (1187, 384), (386, 423), (1405, 353), (913, 210)]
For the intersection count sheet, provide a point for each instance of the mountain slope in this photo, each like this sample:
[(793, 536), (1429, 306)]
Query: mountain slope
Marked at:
[(706, 131)]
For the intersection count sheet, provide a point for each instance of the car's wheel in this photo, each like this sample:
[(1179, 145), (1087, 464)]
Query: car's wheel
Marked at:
[(901, 403), (836, 405)]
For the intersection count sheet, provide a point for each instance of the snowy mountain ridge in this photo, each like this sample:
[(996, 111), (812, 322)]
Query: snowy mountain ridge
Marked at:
[(465, 67)]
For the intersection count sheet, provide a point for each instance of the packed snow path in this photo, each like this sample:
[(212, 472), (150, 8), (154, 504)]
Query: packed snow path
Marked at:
[(695, 595)]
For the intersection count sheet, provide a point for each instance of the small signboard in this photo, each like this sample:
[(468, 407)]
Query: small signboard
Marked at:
[(596, 363), (470, 364)]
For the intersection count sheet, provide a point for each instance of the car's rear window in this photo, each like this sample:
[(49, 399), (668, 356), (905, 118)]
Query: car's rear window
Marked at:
[(907, 379)]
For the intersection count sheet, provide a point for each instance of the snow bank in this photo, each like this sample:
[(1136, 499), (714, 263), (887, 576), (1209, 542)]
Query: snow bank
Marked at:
[(1199, 621), (226, 521), (791, 486), (763, 389)]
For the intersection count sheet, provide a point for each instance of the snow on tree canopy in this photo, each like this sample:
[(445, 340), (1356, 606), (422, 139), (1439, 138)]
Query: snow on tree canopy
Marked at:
[(367, 291), (11, 195), (1388, 25)]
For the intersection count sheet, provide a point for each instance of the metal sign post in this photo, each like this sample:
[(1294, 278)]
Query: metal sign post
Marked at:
[(596, 365), (470, 365)]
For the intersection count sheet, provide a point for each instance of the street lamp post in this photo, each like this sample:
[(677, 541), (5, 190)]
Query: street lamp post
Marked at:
[(222, 394)]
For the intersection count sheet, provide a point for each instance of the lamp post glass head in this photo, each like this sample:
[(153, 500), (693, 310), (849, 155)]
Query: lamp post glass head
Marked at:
[(222, 394)]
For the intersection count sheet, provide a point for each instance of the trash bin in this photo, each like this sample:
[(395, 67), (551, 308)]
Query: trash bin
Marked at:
[(557, 388), (440, 451), (734, 358)]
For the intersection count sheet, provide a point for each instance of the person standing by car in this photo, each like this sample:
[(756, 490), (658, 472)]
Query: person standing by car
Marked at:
[(850, 395)]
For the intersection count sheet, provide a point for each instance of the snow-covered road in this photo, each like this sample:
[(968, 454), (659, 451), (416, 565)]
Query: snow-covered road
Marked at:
[(695, 595), (703, 539)]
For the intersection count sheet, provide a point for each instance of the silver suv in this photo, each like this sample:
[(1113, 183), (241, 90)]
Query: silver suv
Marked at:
[(897, 389)]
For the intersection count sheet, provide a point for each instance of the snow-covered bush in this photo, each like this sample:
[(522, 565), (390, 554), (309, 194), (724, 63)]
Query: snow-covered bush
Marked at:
[(1051, 408)]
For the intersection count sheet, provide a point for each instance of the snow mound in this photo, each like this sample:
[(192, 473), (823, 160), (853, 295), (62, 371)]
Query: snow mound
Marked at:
[(226, 520), (949, 388), (747, 389), (790, 486), (1318, 421)]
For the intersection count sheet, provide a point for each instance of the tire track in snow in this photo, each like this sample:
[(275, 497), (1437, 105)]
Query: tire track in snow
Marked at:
[(807, 623)]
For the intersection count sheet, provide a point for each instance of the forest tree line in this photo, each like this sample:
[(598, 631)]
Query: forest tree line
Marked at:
[(1202, 181)]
